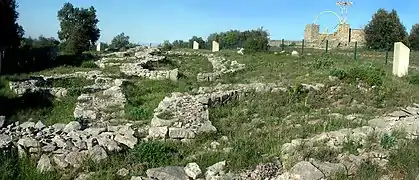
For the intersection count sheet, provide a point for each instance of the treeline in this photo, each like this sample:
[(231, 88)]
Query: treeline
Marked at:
[(78, 33), (255, 40), (385, 28)]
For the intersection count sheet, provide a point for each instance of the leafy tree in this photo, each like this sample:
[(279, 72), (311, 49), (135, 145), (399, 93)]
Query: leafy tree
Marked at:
[(120, 41), (40, 42), (233, 39), (256, 44), (79, 29), (166, 46), (180, 44), (199, 40), (414, 37), (384, 30), (10, 32)]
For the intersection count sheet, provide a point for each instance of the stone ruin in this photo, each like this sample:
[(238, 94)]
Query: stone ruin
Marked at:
[(97, 131), (138, 63), (345, 36), (220, 65)]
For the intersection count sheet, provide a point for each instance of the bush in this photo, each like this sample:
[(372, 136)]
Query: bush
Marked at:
[(88, 64), (339, 73), (257, 44), (155, 153), (373, 76), (166, 46), (323, 62), (414, 78)]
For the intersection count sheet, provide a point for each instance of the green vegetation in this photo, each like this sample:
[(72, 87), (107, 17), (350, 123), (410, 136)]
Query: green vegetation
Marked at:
[(251, 130)]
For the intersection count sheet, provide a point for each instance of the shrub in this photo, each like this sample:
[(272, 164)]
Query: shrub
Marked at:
[(373, 76), (414, 78), (88, 64), (166, 46), (257, 44), (339, 73), (155, 153), (323, 62)]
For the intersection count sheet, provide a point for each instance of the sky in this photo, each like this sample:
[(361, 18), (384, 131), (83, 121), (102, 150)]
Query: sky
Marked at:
[(153, 21)]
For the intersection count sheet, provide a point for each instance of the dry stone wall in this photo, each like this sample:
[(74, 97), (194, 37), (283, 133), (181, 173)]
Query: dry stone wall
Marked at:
[(220, 65), (134, 63), (185, 115)]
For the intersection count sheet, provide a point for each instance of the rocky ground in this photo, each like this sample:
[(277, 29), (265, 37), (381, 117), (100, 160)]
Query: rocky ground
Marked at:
[(314, 149)]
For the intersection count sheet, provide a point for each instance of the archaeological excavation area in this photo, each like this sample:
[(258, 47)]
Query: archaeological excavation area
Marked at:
[(194, 114)]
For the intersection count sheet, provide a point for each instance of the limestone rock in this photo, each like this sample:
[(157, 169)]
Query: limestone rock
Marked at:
[(192, 170), (306, 171), (44, 164), (169, 172)]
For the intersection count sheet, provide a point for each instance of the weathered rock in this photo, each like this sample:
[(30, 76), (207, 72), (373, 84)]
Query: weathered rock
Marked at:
[(122, 172), (2, 121), (97, 154), (44, 164), (128, 140), (59, 160), (28, 142), (216, 170), (72, 126), (39, 125), (27, 125), (169, 172), (5, 140), (306, 171), (192, 170)]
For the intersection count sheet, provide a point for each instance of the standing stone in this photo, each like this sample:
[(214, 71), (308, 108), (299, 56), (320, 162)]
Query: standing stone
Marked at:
[(98, 46), (215, 46), (195, 45), (400, 59)]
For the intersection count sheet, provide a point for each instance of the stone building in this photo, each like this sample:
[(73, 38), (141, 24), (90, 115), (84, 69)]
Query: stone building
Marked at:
[(343, 37)]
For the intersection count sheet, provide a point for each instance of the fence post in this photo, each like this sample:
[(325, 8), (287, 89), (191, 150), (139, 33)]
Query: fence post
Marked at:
[(356, 48), (282, 45), (327, 45), (302, 47), (387, 55)]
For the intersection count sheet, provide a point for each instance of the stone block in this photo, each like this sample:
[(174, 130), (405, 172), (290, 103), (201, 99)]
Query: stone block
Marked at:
[(400, 59), (215, 46), (98, 46), (195, 45), (180, 133)]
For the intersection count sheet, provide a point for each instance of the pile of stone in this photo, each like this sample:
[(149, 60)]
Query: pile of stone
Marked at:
[(220, 65), (35, 84), (134, 62), (66, 145), (184, 115), (190, 171), (405, 120), (103, 103)]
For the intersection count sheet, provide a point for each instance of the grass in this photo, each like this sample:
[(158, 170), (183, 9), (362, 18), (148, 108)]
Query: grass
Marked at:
[(39, 107), (258, 125)]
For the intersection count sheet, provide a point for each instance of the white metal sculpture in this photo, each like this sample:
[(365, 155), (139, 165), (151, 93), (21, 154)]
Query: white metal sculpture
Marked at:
[(344, 5)]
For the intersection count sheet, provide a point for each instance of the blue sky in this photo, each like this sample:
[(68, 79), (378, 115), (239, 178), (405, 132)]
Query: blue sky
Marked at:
[(157, 20)]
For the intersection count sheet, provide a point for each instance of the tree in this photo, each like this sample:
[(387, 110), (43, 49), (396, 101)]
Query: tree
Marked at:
[(120, 41), (255, 40), (10, 31), (180, 44), (384, 30), (199, 40), (166, 46), (414, 37), (79, 29)]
